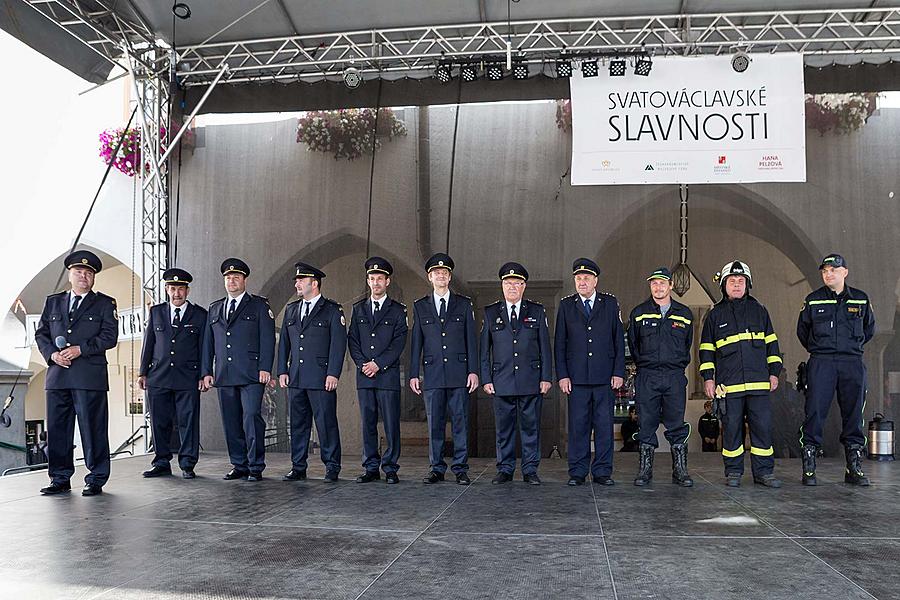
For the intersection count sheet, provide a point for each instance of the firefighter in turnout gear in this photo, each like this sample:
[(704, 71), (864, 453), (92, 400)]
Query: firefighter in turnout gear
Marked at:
[(834, 324), (660, 337), (740, 362)]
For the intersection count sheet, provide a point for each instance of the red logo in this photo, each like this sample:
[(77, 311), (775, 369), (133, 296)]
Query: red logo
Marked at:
[(721, 160)]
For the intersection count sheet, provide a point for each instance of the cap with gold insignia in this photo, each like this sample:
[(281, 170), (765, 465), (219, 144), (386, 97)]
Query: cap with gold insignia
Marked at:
[(302, 269), (439, 261), (661, 273), (235, 265), (376, 264), (84, 258), (833, 260), (177, 277), (513, 269), (585, 265)]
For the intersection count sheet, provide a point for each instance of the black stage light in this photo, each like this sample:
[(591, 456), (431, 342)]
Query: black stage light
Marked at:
[(520, 71), (642, 67), (442, 73), (617, 67), (563, 68), (494, 72), (468, 72), (589, 68), (181, 10), (740, 61)]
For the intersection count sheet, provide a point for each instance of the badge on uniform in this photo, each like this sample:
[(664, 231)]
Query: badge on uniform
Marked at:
[(530, 320), (852, 309), (677, 325), (343, 322), (271, 316), (499, 319)]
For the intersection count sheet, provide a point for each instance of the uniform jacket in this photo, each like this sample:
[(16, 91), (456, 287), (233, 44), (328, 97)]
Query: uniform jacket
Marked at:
[(832, 324), (313, 350), (657, 343), (382, 342), (170, 358), (94, 328), (517, 360), (589, 351), (239, 348), (447, 349)]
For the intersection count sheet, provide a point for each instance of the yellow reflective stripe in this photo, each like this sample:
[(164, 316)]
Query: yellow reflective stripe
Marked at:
[(747, 387), (640, 318), (682, 319), (857, 301), (762, 451), (773, 359), (707, 365), (733, 453), (771, 338), (812, 302), (738, 337), (707, 346)]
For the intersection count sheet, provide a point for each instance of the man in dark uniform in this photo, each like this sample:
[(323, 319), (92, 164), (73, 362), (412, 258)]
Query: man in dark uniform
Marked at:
[(740, 362), (835, 323), (239, 344), (443, 337), (376, 339), (310, 358), (708, 426), (170, 373), (660, 335), (515, 370), (75, 331), (590, 362)]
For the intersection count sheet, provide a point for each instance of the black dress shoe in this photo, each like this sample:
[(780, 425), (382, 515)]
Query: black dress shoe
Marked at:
[(235, 474), (331, 476), (91, 490), (255, 476), (463, 479), (604, 480), (368, 476), (157, 471), (501, 477), (532, 479), (573, 481), (56, 488), (295, 475), (188, 474), (392, 477), (433, 477)]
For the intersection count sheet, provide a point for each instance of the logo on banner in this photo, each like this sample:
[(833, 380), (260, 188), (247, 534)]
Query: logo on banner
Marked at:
[(606, 166), (649, 167), (722, 167), (770, 162), (722, 160)]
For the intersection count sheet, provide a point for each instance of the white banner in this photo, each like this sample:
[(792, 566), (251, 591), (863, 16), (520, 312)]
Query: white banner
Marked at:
[(692, 120), (131, 325)]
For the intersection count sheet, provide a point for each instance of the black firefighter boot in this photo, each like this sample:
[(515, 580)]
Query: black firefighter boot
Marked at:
[(679, 466), (809, 464), (645, 465), (854, 474)]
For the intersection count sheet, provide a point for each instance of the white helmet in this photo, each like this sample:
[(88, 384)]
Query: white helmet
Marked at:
[(734, 267)]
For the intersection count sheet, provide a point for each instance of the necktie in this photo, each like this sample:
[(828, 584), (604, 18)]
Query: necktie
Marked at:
[(74, 306), (513, 318), (375, 308), (305, 312), (176, 322), (443, 312), (587, 307), (231, 308)]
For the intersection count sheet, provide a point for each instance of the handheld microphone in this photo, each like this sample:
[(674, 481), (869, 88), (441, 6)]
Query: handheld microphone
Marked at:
[(60, 342)]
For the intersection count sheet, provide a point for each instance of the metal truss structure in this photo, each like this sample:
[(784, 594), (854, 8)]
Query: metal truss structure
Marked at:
[(126, 40)]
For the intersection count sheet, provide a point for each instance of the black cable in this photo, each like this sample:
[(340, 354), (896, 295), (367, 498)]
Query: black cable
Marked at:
[(453, 162), (372, 170)]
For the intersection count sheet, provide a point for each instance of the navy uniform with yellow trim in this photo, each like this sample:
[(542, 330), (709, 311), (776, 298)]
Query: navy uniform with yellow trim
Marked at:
[(739, 357), (443, 352), (75, 330), (660, 336), (589, 345), (516, 364), (310, 351), (238, 353), (377, 336), (833, 327), (170, 372)]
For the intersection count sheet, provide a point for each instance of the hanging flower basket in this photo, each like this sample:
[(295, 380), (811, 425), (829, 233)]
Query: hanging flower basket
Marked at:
[(839, 113), (347, 133), (129, 155)]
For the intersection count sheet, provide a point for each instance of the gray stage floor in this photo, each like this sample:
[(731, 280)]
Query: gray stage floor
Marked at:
[(208, 538)]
